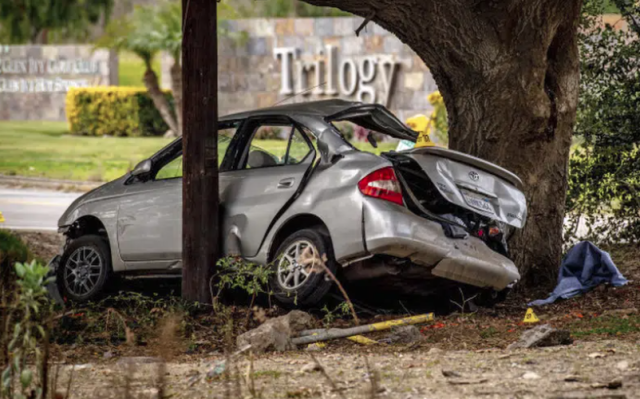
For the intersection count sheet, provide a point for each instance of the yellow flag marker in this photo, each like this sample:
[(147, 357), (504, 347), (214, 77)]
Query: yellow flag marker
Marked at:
[(530, 317), (1, 218)]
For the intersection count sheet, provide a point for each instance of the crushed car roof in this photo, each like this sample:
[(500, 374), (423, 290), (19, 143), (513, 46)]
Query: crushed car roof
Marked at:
[(320, 108)]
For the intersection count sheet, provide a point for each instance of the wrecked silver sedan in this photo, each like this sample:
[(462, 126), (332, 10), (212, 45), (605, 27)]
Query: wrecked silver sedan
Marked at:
[(427, 212)]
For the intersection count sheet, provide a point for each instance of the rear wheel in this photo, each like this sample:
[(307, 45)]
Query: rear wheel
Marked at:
[(85, 268), (299, 279)]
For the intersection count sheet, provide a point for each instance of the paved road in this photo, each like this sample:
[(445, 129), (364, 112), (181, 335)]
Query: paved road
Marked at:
[(33, 209)]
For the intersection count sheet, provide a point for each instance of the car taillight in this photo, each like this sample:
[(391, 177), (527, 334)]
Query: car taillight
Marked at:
[(382, 183)]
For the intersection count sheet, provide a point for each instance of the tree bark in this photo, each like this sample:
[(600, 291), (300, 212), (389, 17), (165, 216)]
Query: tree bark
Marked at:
[(508, 72), (200, 201), (176, 88), (150, 80)]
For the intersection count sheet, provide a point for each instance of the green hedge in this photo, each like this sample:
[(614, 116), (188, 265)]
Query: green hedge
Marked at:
[(114, 111)]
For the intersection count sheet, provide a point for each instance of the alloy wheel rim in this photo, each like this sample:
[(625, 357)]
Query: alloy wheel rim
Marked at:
[(292, 273), (82, 271)]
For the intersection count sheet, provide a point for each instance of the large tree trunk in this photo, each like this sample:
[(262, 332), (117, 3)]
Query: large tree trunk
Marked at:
[(508, 72), (176, 88), (159, 100)]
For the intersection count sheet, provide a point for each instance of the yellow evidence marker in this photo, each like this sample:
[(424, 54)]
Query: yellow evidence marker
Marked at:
[(530, 317), (421, 124), (1, 218)]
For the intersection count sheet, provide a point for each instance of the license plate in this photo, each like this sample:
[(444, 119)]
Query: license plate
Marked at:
[(478, 201)]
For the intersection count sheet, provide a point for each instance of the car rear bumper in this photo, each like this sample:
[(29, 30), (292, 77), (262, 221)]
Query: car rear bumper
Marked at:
[(393, 230)]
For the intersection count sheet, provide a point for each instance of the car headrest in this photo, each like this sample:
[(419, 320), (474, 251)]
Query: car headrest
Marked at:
[(260, 159)]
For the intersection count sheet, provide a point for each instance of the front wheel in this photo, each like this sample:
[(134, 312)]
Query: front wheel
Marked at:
[(84, 269), (299, 279)]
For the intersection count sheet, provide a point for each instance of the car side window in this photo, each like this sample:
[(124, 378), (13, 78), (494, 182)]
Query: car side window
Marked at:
[(173, 168), (298, 148), (268, 146)]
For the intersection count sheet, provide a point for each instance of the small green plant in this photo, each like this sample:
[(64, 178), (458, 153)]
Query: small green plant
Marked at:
[(235, 273), (31, 310), (331, 315)]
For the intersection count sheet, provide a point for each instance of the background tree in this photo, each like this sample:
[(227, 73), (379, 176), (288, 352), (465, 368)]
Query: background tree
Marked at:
[(41, 22), (604, 184), (150, 31), (509, 75), (136, 33)]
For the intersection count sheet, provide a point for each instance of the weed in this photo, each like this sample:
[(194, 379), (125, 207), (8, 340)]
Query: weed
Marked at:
[(248, 277), (267, 374), (331, 315), (488, 332), (31, 312)]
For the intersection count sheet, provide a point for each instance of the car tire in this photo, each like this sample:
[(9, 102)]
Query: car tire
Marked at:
[(308, 288), (84, 269)]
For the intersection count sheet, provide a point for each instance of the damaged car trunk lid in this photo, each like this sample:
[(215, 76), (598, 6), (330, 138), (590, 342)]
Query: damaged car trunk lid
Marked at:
[(473, 184)]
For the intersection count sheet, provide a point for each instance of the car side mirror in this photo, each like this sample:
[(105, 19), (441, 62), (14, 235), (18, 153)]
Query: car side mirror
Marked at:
[(142, 168)]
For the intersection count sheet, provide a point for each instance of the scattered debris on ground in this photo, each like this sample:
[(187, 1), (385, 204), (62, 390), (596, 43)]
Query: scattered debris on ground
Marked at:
[(554, 372), (541, 336), (276, 333)]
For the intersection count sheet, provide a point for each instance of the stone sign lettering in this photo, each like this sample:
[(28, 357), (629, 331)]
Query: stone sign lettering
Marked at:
[(333, 76), (34, 80)]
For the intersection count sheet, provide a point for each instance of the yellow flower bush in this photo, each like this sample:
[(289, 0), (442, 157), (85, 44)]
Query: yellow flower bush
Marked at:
[(113, 111)]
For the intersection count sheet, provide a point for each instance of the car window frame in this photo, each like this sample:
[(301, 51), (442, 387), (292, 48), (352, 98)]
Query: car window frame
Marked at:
[(250, 128), (174, 149)]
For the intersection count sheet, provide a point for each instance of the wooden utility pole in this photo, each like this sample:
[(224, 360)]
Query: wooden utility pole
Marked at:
[(200, 148)]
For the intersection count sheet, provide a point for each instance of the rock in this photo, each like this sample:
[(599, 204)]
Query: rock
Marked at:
[(622, 365), (530, 375), (276, 333), (435, 351), (615, 384), (573, 378), (404, 335), (451, 374), (139, 360), (596, 355), (107, 355), (309, 367), (541, 336)]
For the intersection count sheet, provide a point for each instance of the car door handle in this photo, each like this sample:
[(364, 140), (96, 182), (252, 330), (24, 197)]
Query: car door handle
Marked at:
[(286, 183)]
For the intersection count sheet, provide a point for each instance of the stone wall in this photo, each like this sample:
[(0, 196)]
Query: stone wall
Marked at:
[(34, 79), (263, 61)]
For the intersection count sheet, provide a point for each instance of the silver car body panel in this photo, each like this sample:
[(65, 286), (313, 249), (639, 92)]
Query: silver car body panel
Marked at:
[(143, 220), (394, 230), (474, 184)]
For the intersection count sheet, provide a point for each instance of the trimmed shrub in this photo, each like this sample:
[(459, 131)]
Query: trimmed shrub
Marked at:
[(114, 111)]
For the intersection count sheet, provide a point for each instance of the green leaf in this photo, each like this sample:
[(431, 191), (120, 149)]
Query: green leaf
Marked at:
[(6, 377), (25, 378), (20, 269)]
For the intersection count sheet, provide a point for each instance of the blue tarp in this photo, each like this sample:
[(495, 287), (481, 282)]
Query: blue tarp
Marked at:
[(584, 267)]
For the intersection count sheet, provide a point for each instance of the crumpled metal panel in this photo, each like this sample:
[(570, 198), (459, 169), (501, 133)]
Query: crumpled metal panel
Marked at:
[(471, 186), (396, 231)]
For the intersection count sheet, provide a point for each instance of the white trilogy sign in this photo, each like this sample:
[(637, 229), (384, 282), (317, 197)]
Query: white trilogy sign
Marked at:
[(352, 77)]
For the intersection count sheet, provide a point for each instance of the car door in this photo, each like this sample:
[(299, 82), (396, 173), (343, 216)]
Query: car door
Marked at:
[(276, 157), (150, 214)]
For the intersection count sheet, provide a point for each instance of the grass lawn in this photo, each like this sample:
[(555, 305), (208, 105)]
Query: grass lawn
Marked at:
[(44, 149)]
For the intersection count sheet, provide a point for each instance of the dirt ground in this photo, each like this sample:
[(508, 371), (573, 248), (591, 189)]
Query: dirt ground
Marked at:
[(606, 369), (470, 348)]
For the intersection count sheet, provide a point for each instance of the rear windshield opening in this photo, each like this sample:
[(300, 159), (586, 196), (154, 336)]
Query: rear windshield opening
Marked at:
[(356, 135), (373, 128)]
